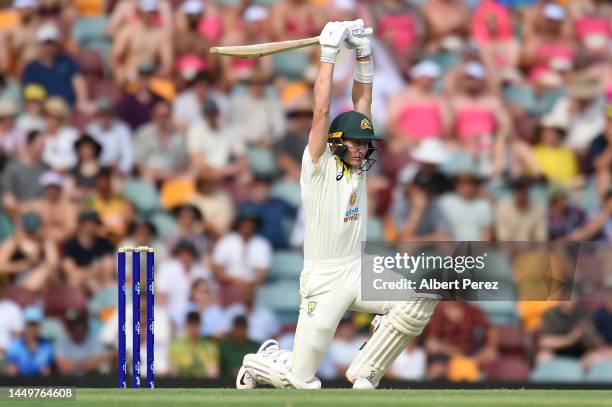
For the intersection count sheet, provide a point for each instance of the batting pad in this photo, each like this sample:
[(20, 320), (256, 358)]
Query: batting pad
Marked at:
[(271, 369), (405, 321)]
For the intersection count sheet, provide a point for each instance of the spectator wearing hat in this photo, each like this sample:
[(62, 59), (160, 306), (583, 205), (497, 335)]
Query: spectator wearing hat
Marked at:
[(175, 278), (519, 219), (128, 51), (241, 258), (203, 17), (417, 112), (12, 138), (32, 118), (20, 42), (79, 350), (136, 106), (57, 211), (89, 259), (235, 346), (581, 111), (213, 147), (600, 155), (30, 355), (563, 217), (448, 23), (59, 151), (190, 221), (192, 355), (128, 10), (114, 136), (142, 232), (209, 198), (114, 209), (291, 19), (187, 106), (161, 151), (20, 176), (11, 325), (470, 217), (482, 124), (28, 257), (83, 175), (55, 71)]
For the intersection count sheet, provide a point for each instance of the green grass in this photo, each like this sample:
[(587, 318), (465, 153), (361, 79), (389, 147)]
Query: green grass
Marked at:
[(335, 397)]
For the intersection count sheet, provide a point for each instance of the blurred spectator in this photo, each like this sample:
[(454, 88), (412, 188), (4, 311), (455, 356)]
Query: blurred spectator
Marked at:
[(193, 355), (448, 22), (141, 40), (30, 355), (59, 151), (20, 178), (136, 104), (28, 257), (128, 10), (411, 364), (519, 219), (79, 350), (272, 212), (603, 324), (416, 113), (563, 218), (567, 330), (235, 346), (83, 175), (592, 26), (291, 19), (212, 199), (263, 323), (11, 324), (241, 258), (12, 137), (459, 330), (56, 71), (581, 111), (190, 221), (345, 345), (89, 259), (213, 147), (32, 117), (256, 116), (290, 148), (114, 136), (187, 106), (114, 210), (469, 216), (175, 279), (58, 213), (160, 150), (600, 154), (203, 301), (19, 46)]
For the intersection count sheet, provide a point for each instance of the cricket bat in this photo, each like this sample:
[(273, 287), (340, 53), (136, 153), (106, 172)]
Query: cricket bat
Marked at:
[(268, 48)]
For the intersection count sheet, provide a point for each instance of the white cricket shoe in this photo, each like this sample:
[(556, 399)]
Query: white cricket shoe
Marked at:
[(363, 384), (244, 380)]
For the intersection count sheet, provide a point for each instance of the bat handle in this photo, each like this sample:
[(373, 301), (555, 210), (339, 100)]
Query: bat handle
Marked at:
[(368, 31)]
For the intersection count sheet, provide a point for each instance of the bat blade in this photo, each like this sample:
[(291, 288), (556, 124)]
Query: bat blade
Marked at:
[(268, 48)]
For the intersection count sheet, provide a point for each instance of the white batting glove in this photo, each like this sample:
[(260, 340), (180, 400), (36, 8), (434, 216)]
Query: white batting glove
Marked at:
[(331, 39), (358, 38)]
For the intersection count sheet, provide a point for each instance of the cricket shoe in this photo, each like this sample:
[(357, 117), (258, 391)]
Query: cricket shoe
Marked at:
[(244, 380), (363, 384)]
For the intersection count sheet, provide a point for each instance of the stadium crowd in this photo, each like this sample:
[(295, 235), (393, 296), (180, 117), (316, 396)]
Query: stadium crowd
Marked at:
[(117, 127)]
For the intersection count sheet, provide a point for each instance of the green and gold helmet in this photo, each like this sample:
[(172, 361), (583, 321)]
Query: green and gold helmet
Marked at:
[(353, 126)]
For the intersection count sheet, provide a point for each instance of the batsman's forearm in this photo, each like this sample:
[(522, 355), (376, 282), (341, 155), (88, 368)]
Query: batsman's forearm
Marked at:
[(362, 91), (317, 139)]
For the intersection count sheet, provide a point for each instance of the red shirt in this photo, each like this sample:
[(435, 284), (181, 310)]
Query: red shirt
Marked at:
[(469, 334)]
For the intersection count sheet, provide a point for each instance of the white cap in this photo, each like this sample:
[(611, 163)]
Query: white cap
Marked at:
[(51, 178), (47, 32), (18, 4), (148, 5), (431, 151), (255, 13), (427, 69), (193, 7), (554, 11), (475, 70), (345, 4)]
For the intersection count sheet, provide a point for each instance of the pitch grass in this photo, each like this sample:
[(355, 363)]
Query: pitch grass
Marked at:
[(334, 397)]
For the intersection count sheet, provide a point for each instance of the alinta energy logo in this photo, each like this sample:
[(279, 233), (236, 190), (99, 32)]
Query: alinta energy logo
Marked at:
[(352, 214)]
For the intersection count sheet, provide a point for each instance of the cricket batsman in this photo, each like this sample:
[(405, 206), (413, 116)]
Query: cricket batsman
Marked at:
[(333, 187)]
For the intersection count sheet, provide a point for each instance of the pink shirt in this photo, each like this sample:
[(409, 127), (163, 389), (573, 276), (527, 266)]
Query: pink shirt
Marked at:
[(421, 120), (474, 121), (402, 27)]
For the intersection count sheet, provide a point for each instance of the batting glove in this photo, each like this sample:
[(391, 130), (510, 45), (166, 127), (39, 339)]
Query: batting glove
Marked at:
[(331, 39), (358, 38)]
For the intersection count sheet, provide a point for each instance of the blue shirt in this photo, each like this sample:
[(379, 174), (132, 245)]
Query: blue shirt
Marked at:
[(28, 362), (603, 323), (56, 79), (274, 214)]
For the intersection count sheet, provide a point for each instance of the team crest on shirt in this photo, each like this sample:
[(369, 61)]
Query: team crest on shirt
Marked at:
[(353, 199), (365, 124), (311, 306)]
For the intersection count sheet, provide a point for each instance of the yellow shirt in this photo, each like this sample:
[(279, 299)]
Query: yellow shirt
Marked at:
[(558, 164)]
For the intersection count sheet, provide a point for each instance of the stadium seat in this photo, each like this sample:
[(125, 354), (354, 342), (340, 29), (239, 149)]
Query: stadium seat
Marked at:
[(499, 312), (142, 195), (288, 192), (19, 295), (52, 329), (280, 296), (511, 340), (261, 161), (375, 230), (6, 226), (600, 372), (290, 64), (90, 33), (286, 264), (58, 299), (511, 369), (559, 369), (164, 223)]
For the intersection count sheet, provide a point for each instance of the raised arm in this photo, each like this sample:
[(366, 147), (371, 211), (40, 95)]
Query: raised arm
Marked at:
[(331, 39), (364, 67)]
